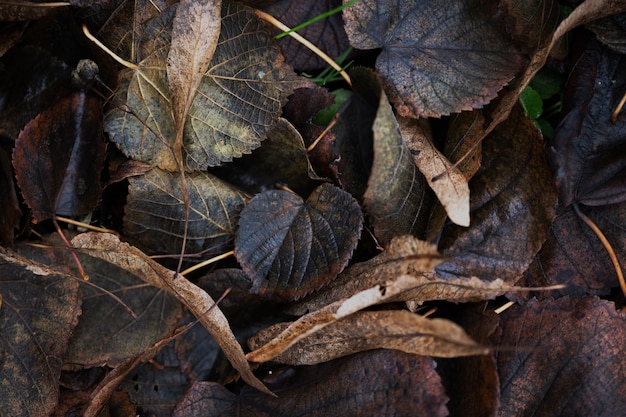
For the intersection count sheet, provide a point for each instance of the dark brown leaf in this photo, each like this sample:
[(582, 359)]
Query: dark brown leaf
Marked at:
[(155, 212), (378, 383), (531, 23), (587, 151), (611, 31), (9, 206), (59, 155), (512, 205), (568, 359), (438, 57), (289, 247), (39, 308)]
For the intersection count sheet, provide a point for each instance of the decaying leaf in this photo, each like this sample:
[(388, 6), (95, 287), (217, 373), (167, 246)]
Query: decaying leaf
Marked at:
[(380, 383), (39, 308), (237, 101), (289, 247), (438, 57), (109, 248), (155, 212), (576, 365), (366, 330), (397, 196)]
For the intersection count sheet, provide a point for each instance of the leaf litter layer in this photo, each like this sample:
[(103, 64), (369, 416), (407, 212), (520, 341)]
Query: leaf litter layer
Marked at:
[(296, 239)]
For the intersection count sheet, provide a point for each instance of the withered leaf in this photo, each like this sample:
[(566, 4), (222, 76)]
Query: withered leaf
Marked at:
[(511, 209), (587, 151), (366, 330), (610, 31), (59, 155), (39, 308), (9, 205), (289, 247), (378, 383), (438, 57), (109, 248), (237, 100), (531, 23), (397, 195), (575, 368), (155, 212)]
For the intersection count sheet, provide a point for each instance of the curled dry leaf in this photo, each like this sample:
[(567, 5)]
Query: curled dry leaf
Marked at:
[(366, 330), (109, 248)]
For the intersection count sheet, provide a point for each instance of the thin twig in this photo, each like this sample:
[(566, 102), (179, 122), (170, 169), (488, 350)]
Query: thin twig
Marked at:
[(208, 262)]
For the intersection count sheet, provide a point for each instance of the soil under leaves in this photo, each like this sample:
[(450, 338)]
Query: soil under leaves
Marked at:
[(359, 237)]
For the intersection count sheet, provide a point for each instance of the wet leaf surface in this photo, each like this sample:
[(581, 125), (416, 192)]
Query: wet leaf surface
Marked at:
[(289, 247), (393, 383), (512, 205), (576, 368), (457, 60), (38, 311), (155, 212), (59, 155)]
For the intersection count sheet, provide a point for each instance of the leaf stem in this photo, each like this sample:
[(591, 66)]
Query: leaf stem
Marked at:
[(606, 244), (208, 262), (272, 20), (86, 226), (107, 50), (618, 109)]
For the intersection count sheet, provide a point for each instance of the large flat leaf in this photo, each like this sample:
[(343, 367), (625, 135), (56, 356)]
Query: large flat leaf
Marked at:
[(38, 311), (238, 99), (438, 57), (289, 247), (155, 210)]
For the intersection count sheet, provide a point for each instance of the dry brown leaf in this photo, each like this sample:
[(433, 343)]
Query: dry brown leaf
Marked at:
[(452, 188), (194, 39), (365, 330), (109, 248)]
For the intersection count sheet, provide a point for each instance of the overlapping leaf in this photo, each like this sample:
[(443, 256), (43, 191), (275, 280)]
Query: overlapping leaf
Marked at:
[(155, 213), (438, 57), (289, 247), (39, 308), (237, 101)]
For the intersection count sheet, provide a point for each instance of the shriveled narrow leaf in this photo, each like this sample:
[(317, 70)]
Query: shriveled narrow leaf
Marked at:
[(512, 206), (39, 308), (397, 197), (446, 180), (110, 249), (438, 57), (366, 330), (237, 101), (575, 368), (379, 383), (59, 155), (289, 247), (155, 213), (195, 31)]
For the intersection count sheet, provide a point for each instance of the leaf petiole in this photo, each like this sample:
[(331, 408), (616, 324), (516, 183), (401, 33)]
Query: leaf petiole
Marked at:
[(95, 40)]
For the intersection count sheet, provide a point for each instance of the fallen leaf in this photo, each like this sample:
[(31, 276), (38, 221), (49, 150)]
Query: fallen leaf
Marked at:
[(437, 57), (9, 205), (531, 23), (397, 195), (511, 208), (451, 188), (610, 31), (366, 330), (574, 368), (109, 248), (155, 209), (39, 308), (289, 247), (587, 149), (389, 384), (59, 155)]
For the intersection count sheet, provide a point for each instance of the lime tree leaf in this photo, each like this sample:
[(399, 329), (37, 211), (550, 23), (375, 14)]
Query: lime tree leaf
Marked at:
[(397, 194), (438, 57), (155, 212), (289, 247), (237, 101), (39, 308)]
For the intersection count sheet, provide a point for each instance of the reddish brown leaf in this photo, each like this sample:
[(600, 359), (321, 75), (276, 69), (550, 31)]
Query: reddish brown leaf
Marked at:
[(568, 359), (378, 383), (59, 155)]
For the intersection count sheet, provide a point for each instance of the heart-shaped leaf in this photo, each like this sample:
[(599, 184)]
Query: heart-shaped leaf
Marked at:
[(438, 57), (155, 210), (289, 247)]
